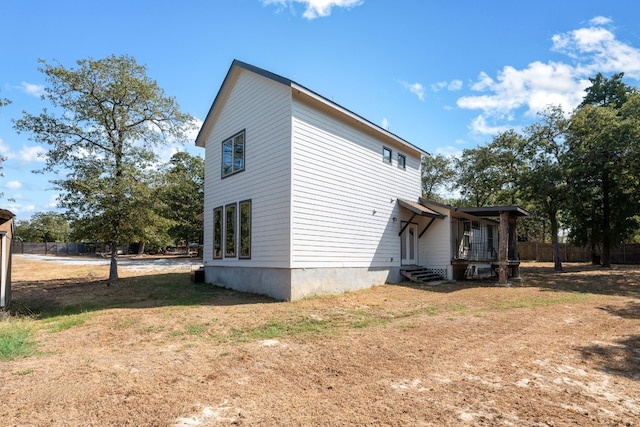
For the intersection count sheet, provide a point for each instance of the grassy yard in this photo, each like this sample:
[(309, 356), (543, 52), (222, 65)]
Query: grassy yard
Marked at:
[(159, 349)]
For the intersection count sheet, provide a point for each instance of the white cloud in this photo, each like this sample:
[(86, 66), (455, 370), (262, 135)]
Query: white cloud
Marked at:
[(449, 151), (480, 125), (25, 155), (13, 185), (597, 50), (600, 20), (453, 85), (4, 149), (415, 88), (20, 208), (31, 154), (53, 201), (385, 123), (592, 49), (315, 8), (32, 89)]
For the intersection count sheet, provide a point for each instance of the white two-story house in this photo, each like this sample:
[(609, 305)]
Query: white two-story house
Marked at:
[(304, 197)]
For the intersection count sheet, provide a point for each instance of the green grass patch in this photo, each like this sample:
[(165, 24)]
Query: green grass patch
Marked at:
[(282, 328), (64, 322), (541, 301), (194, 329), (15, 341), (23, 372), (458, 307)]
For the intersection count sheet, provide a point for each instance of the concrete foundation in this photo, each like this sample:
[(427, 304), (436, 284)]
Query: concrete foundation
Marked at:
[(297, 283)]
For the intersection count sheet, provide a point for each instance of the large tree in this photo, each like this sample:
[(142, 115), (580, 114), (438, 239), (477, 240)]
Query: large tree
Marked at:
[(437, 175), (478, 178), (486, 175), (182, 191), (44, 227), (541, 178), (108, 117), (604, 165)]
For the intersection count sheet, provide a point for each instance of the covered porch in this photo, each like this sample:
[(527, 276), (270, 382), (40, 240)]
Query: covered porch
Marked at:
[(420, 219), (457, 243), (507, 261)]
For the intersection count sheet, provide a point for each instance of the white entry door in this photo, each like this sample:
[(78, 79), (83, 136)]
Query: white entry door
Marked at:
[(409, 245)]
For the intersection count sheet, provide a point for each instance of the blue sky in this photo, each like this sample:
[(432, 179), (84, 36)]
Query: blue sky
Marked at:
[(444, 75)]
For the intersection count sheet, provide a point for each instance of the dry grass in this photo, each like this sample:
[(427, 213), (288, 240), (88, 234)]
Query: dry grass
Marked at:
[(156, 349)]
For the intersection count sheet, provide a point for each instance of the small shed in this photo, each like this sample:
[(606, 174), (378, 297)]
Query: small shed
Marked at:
[(6, 234)]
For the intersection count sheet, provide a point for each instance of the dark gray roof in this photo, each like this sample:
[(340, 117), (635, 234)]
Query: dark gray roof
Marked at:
[(419, 209), (491, 211)]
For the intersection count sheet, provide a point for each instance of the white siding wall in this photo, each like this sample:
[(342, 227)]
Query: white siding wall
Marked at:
[(339, 180), (262, 107), (435, 243)]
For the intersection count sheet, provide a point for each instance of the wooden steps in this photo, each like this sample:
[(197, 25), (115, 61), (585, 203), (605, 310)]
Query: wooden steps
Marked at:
[(421, 274)]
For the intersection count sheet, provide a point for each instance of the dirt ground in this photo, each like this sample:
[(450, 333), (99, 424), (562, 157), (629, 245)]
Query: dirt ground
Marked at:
[(556, 349)]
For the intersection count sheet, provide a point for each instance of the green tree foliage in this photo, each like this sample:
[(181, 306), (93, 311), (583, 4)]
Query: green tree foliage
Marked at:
[(182, 192), (603, 170), (606, 92), (486, 175), (477, 177), (541, 177), (437, 175), (107, 118), (44, 227)]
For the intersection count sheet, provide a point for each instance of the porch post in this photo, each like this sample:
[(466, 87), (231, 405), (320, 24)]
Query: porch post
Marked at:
[(503, 248), (513, 249)]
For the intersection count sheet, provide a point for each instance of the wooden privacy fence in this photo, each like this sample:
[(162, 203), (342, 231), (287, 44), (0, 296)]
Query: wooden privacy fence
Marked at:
[(543, 252)]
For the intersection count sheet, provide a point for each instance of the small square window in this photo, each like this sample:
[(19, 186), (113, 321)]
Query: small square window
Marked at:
[(402, 161), (386, 155)]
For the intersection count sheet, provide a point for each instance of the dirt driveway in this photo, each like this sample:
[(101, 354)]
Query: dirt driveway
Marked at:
[(557, 349), (129, 263)]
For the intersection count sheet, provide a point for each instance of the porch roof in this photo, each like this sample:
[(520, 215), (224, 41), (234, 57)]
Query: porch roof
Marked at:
[(493, 211), (419, 209)]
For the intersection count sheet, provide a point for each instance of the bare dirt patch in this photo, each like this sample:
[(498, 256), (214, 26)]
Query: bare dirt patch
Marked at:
[(556, 349)]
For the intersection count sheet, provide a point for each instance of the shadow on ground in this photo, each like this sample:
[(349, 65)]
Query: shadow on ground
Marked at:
[(622, 356), (50, 298), (620, 280)]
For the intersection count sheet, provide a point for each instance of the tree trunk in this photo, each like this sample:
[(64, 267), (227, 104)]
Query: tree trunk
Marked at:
[(606, 223), (595, 258), (113, 268), (557, 263), (141, 248)]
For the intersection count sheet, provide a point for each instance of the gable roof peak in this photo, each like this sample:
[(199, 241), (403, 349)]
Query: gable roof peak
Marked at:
[(237, 64)]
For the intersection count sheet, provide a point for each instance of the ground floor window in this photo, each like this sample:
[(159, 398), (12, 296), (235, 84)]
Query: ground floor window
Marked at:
[(217, 232), (245, 229), (230, 231)]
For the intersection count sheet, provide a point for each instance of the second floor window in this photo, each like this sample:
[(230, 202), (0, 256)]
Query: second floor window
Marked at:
[(233, 154), (402, 161), (386, 155)]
